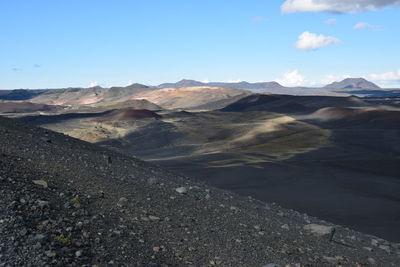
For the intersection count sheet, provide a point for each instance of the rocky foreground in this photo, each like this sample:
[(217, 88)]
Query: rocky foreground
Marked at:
[(65, 202)]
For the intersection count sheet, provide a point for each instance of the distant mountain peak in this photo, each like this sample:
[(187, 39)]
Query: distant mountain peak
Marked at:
[(272, 84), (93, 87), (238, 85), (136, 85), (182, 83), (353, 83)]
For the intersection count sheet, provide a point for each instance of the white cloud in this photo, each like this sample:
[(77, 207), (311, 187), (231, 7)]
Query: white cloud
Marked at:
[(336, 6), (330, 21), (258, 19), (391, 76), (312, 41), (93, 84), (291, 6), (363, 25), (292, 78)]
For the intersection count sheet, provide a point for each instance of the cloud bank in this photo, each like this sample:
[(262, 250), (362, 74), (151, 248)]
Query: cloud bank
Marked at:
[(336, 6), (391, 76), (312, 41), (292, 78)]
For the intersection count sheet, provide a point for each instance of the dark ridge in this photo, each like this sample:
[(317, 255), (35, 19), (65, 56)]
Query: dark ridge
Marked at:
[(109, 115), (128, 114), (26, 107), (20, 94), (360, 118), (392, 93), (291, 104)]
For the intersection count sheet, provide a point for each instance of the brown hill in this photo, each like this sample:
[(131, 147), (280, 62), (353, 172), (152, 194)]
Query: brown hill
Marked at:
[(85, 96), (104, 106), (127, 114), (189, 97)]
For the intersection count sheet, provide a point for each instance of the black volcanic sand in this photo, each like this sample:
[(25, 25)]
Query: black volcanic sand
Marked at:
[(354, 182), (65, 202)]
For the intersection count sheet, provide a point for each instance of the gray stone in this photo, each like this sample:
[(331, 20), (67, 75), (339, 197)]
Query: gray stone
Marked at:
[(40, 182), (154, 218), (285, 226), (371, 261), (181, 190), (318, 229), (78, 253)]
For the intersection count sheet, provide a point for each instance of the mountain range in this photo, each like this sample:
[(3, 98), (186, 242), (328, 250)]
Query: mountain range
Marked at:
[(97, 94), (349, 83), (238, 85)]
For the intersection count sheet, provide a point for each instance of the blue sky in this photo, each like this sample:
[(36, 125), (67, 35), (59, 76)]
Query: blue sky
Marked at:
[(67, 43)]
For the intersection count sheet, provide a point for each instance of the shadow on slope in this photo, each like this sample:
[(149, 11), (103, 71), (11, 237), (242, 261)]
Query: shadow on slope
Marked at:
[(26, 107), (288, 104), (109, 115)]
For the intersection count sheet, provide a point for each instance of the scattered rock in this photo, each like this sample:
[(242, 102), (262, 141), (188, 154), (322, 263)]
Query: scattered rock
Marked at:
[(181, 190), (42, 203), (385, 248), (78, 253), (40, 182), (152, 181), (154, 218), (285, 226), (333, 260), (374, 242), (318, 229), (50, 254)]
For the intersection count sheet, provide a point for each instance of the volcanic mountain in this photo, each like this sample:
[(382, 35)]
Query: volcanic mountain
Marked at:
[(353, 83)]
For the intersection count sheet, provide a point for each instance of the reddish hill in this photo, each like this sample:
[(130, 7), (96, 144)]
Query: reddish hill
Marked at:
[(127, 114)]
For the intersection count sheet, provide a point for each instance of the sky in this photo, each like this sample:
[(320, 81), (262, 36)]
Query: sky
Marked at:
[(76, 43)]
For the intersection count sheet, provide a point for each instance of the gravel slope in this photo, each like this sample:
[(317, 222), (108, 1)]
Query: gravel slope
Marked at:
[(65, 202)]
